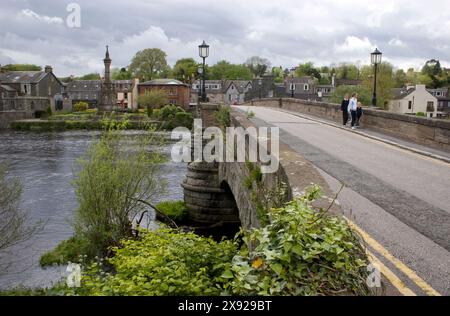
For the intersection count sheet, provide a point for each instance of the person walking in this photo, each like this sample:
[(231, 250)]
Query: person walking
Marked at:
[(352, 108), (344, 108), (359, 113)]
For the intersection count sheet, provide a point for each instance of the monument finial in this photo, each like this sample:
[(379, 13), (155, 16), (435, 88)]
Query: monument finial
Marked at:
[(107, 53)]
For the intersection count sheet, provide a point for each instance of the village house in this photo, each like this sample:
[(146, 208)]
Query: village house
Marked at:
[(32, 91), (178, 93), (413, 100), (443, 97), (223, 91)]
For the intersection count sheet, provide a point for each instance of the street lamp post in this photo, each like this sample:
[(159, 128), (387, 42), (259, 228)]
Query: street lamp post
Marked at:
[(204, 53), (199, 87), (376, 60), (260, 88)]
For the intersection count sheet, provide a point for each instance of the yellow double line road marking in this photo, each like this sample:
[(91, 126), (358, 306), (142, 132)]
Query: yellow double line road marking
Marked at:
[(397, 263)]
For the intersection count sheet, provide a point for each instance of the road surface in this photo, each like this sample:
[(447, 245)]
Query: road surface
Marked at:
[(397, 199)]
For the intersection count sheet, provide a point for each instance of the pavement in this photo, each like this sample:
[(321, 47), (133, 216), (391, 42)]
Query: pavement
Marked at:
[(396, 195)]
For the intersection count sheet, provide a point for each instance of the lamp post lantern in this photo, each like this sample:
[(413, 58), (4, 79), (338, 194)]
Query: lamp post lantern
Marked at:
[(203, 50), (376, 60)]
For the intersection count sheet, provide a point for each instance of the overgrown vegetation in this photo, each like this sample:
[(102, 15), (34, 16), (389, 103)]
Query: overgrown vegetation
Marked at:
[(301, 252), (174, 116), (81, 107), (223, 116), (114, 179), (175, 210), (164, 262)]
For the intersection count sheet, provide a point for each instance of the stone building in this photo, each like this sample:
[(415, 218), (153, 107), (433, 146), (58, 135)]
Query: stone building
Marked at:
[(178, 93), (127, 94), (30, 91), (443, 97), (84, 91), (223, 91)]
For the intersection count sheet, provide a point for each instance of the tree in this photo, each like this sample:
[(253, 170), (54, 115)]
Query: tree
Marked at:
[(149, 64), (257, 65), (185, 70), (121, 74), (14, 226), (91, 76), (433, 70), (154, 99), (385, 82), (115, 175), (307, 70), (21, 67), (347, 71), (413, 78), (400, 78), (224, 70), (278, 73)]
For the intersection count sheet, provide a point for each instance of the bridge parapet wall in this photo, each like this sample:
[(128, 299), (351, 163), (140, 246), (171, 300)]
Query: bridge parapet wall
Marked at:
[(425, 131)]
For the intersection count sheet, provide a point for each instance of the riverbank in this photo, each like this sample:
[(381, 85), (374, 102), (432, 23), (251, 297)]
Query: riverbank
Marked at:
[(45, 163)]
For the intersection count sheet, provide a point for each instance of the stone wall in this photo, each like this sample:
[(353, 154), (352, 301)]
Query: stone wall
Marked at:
[(7, 117), (217, 192), (425, 131)]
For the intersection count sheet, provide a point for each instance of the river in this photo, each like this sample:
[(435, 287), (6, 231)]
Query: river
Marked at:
[(45, 162)]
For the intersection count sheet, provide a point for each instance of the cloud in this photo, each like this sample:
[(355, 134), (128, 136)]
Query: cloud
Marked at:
[(354, 44), (42, 18), (286, 32), (396, 42)]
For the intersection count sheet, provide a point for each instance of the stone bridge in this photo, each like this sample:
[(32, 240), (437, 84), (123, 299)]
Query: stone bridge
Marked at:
[(237, 194)]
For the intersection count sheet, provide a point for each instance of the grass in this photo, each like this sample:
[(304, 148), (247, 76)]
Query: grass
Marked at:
[(175, 210), (67, 251)]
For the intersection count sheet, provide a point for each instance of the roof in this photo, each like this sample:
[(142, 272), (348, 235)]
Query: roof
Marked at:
[(84, 85), (163, 82), (7, 88), (400, 93), (297, 80), (239, 84), (11, 77)]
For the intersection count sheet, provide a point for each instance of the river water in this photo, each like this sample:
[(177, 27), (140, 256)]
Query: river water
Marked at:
[(45, 163)]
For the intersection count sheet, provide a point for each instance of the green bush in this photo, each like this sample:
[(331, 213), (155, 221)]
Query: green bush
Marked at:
[(301, 252), (420, 114), (91, 111), (183, 119), (149, 111), (168, 112), (162, 263), (67, 251), (175, 210), (81, 107), (223, 116)]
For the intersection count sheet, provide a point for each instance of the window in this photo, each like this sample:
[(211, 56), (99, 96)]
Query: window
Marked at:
[(438, 94), (173, 101), (229, 97), (430, 106), (306, 87), (409, 105)]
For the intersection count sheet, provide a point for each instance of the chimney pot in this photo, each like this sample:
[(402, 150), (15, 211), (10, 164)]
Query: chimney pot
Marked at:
[(48, 69)]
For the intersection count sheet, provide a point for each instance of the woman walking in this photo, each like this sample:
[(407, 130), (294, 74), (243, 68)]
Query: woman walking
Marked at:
[(344, 108), (352, 108)]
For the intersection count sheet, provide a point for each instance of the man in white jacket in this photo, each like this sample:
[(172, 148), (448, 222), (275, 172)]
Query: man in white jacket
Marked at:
[(352, 107)]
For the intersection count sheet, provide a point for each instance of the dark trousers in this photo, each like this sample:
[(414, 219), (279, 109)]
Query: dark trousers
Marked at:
[(353, 118), (345, 117), (358, 118)]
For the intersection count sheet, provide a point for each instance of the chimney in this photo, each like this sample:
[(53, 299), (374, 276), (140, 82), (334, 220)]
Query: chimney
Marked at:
[(48, 69)]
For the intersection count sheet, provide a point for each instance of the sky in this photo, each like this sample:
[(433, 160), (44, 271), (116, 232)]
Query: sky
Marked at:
[(287, 32)]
